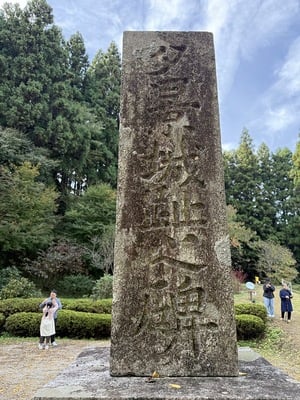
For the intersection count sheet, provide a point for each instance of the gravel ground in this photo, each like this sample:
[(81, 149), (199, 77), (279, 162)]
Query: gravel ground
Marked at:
[(24, 368)]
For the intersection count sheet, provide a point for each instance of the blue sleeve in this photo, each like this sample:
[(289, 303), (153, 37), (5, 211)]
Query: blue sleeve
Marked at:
[(59, 303)]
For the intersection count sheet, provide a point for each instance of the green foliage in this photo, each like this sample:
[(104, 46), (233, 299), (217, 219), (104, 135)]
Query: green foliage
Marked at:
[(102, 94), (80, 325), (71, 324), (91, 214), (75, 285), (273, 339), (26, 210), (16, 305), (249, 326), (60, 259), (258, 310), (295, 171), (276, 262), (7, 274), (2, 321), (23, 324), (87, 305), (20, 287), (12, 306), (103, 288), (16, 148), (100, 251), (262, 189)]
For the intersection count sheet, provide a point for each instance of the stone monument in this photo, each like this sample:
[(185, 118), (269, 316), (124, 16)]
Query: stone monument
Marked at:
[(173, 303)]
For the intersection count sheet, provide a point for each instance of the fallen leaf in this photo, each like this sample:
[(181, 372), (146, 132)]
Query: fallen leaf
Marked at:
[(174, 386), (155, 374)]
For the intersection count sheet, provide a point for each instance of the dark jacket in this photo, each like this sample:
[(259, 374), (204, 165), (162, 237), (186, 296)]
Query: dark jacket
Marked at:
[(268, 290), (286, 304)]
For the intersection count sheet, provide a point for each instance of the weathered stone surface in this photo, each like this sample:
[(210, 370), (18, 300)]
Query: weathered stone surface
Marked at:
[(88, 379), (173, 303)]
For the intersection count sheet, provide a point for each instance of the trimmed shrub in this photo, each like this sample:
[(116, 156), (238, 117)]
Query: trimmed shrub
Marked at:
[(249, 326), (2, 321), (88, 305), (79, 325), (23, 324), (71, 324), (253, 309), (12, 306)]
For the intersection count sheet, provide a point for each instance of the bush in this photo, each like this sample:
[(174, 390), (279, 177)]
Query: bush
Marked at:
[(103, 288), (75, 285), (19, 287), (2, 321), (7, 274), (258, 310), (12, 306), (88, 305), (70, 324), (79, 325), (249, 326), (23, 324), (16, 305)]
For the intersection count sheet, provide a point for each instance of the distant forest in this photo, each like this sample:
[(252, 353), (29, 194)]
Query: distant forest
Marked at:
[(59, 123)]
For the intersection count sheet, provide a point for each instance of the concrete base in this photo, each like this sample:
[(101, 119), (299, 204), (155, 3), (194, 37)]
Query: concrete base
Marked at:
[(88, 378)]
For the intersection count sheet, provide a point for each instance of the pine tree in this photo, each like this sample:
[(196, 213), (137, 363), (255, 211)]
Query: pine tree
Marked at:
[(103, 96)]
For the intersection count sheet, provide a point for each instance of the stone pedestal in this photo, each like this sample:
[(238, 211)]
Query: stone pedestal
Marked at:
[(88, 378), (173, 303)]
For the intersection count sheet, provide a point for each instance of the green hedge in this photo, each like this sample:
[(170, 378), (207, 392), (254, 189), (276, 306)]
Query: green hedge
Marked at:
[(71, 324), (86, 318), (249, 326), (16, 305), (23, 324), (2, 321), (88, 305), (258, 310), (75, 324)]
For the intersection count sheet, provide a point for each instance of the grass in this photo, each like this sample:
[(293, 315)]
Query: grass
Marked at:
[(279, 347)]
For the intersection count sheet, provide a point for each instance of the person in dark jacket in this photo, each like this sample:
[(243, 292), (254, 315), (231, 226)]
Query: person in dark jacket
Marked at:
[(268, 296), (286, 304)]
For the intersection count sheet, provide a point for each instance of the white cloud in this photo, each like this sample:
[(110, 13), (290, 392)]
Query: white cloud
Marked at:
[(240, 29), (280, 104)]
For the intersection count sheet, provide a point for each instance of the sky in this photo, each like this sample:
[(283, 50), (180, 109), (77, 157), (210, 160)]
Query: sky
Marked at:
[(257, 46)]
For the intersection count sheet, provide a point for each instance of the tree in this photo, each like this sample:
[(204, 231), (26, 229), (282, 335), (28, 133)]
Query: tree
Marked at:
[(78, 65), (26, 212), (241, 181), (295, 172), (91, 214), (40, 89), (100, 251), (264, 204), (243, 245), (276, 262), (60, 259), (103, 96), (16, 148)]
